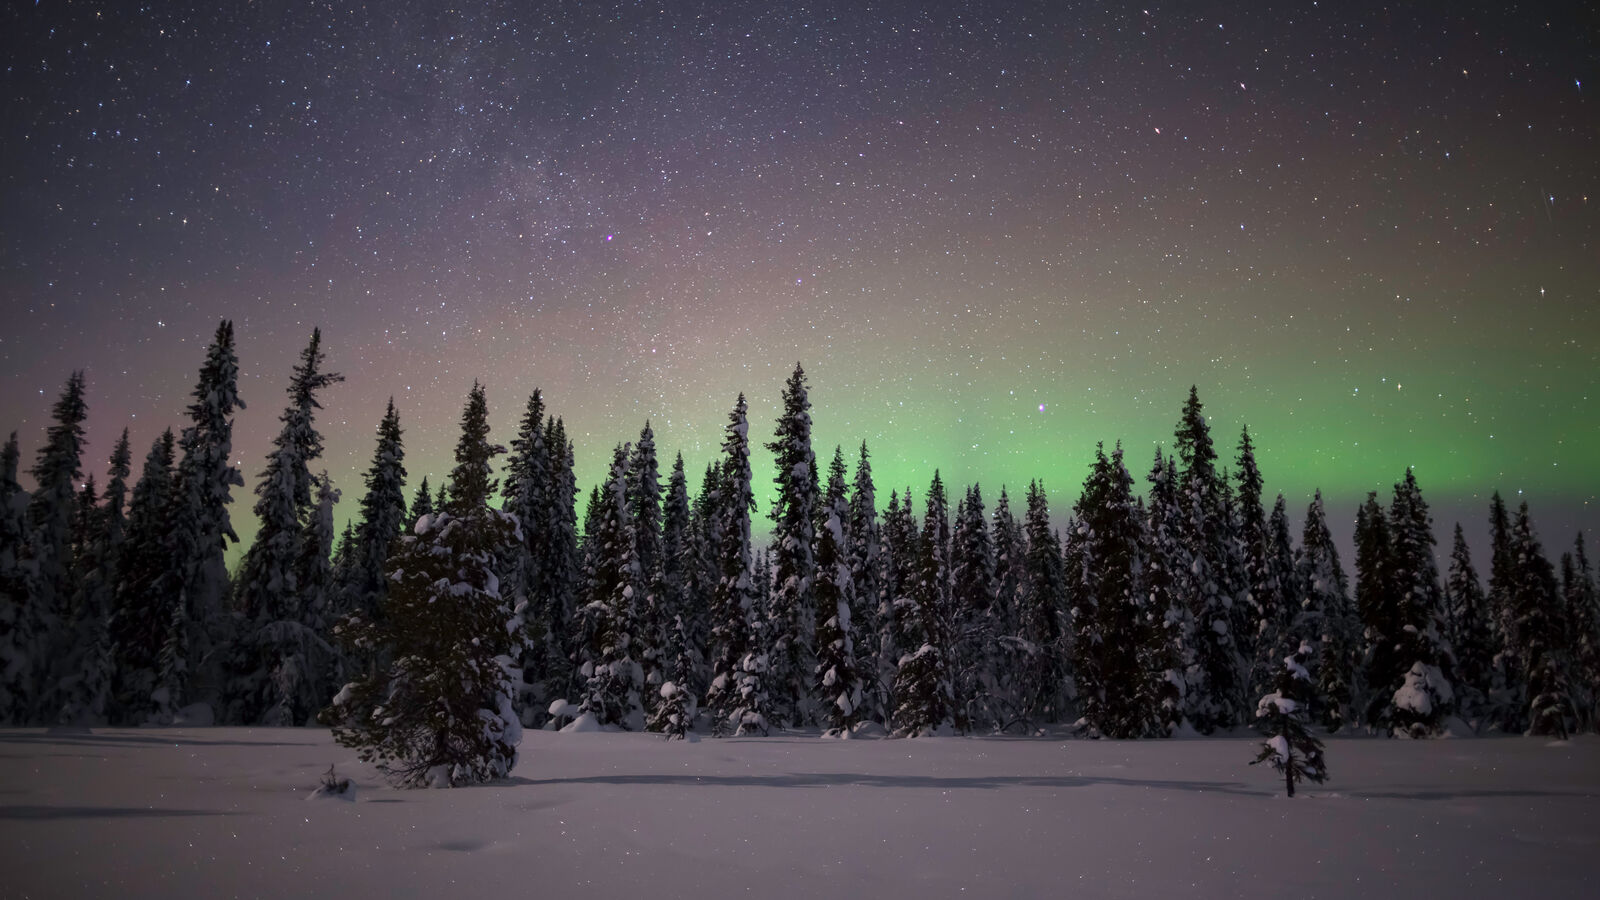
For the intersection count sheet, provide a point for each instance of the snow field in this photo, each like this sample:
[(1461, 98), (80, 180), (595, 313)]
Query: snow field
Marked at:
[(220, 812)]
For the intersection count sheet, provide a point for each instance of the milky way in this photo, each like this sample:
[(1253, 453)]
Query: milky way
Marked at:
[(993, 233)]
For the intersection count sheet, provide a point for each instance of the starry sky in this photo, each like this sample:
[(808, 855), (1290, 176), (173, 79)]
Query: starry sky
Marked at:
[(994, 233)]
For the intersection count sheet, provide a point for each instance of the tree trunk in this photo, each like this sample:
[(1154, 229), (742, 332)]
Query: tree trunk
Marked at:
[(1288, 776)]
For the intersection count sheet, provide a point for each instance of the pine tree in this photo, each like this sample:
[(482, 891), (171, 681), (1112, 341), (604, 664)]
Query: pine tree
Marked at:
[(1254, 551), (897, 613), (866, 573), (142, 609), (440, 713), (84, 691), (280, 662), (1470, 631), (1377, 608), (923, 686), (383, 520), (1327, 618), (528, 490), (974, 616), (51, 511), (736, 695), (1277, 597), (1539, 629), (643, 498), (1291, 749), (1010, 555), (838, 677), (608, 661), (1041, 673), (1172, 651), (201, 528), (1119, 698), (1420, 640), (793, 514), (560, 557), (1216, 699), (673, 713), (1507, 697)]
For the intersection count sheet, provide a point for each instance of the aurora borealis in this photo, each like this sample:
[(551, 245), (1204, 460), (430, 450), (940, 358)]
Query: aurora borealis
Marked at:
[(994, 234)]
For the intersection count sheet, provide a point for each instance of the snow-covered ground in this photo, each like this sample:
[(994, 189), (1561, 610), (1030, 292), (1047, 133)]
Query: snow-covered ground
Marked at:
[(221, 812)]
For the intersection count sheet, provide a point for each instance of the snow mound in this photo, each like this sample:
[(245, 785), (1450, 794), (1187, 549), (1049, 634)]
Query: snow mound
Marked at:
[(195, 715), (583, 723)]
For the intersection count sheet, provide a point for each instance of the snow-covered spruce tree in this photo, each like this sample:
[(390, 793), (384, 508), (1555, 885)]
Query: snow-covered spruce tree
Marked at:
[(1252, 551), (1582, 603), (1420, 643), (83, 692), (793, 613), (561, 571), (1041, 670), (1469, 631), (142, 610), (897, 611), (924, 691), (1217, 699), (1541, 629), (51, 511), (1508, 708), (282, 656), (838, 681), (1119, 698), (383, 521), (1276, 593), (1282, 714), (1378, 610), (19, 627), (1327, 618), (201, 528), (440, 713), (1172, 651), (974, 617), (607, 660), (736, 695), (700, 575), (527, 488), (674, 709), (1010, 555), (866, 573), (643, 496)]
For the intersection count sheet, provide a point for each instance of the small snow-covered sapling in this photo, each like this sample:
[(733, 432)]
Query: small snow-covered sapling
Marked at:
[(1290, 746)]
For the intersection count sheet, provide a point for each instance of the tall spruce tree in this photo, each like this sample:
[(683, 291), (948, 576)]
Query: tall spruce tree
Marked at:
[(675, 708), (1041, 672), (84, 691), (142, 609), (1010, 557), (201, 528), (923, 686), (1118, 696), (1378, 610), (1540, 629), (1326, 617), (1165, 577), (281, 659), (838, 682), (1420, 640), (51, 510), (974, 617), (1216, 697), (793, 615), (383, 519), (1257, 575), (866, 573), (1507, 699), (897, 613), (737, 694), (422, 502), (528, 491), (608, 661), (1470, 632), (643, 497), (1275, 588), (441, 712)]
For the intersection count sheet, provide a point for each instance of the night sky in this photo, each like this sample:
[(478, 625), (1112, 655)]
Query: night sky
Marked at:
[(993, 233)]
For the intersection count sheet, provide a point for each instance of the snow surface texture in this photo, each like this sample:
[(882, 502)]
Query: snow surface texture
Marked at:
[(221, 812)]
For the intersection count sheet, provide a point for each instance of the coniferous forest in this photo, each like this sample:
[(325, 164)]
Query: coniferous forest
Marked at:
[(432, 630)]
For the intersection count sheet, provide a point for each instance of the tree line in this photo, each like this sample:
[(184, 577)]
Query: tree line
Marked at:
[(483, 602)]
